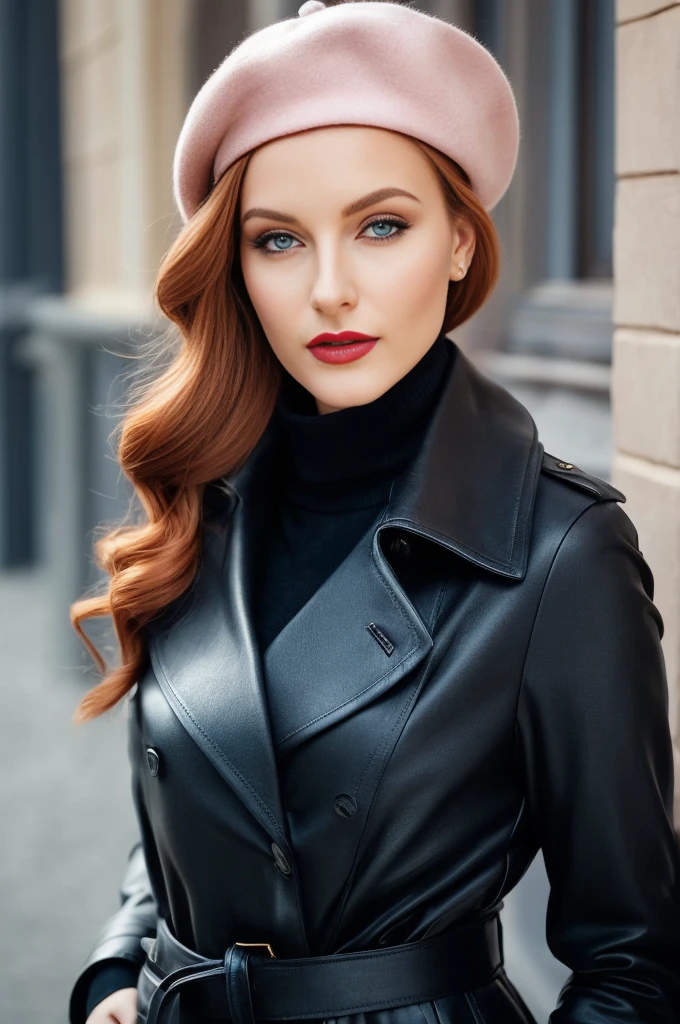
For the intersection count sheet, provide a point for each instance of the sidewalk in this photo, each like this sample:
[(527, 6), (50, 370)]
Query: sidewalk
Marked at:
[(66, 811)]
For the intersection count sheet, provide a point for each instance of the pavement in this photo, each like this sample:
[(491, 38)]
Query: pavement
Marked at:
[(65, 807), (68, 824)]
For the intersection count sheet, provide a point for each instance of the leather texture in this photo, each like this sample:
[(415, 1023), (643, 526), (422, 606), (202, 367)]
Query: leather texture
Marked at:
[(307, 988), (238, 985), (480, 677)]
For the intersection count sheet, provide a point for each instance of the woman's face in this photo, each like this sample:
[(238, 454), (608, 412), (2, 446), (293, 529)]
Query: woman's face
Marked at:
[(318, 255)]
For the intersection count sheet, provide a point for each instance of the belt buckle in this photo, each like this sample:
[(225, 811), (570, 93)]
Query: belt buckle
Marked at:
[(261, 945)]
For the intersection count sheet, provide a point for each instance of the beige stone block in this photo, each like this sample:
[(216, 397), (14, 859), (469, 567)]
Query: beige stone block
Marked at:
[(75, 225), (653, 504), (86, 24), (648, 94), (104, 86), (627, 9), (168, 77), (645, 395), (92, 104), (647, 252), (94, 225), (104, 201)]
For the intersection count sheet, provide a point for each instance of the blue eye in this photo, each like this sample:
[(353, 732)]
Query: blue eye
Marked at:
[(385, 223), (389, 222), (272, 236), (278, 236)]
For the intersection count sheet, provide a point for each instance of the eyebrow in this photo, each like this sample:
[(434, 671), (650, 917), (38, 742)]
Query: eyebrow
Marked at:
[(378, 196)]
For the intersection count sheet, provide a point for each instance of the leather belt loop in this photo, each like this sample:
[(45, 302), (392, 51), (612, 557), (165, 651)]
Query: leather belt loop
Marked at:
[(497, 924), (164, 1001), (238, 985)]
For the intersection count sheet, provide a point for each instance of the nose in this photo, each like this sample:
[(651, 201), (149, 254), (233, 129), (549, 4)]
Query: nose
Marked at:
[(334, 284)]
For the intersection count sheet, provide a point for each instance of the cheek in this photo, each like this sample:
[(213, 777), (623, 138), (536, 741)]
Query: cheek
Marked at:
[(408, 281), (421, 278), (269, 292)]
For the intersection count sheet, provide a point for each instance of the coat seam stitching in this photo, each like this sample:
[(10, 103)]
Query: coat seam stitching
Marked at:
[(383, 749), (478, 1015), (395, 602), (220, 753), (539, 605), (386, 740), (527, 464), (349, 700), (487, 561)]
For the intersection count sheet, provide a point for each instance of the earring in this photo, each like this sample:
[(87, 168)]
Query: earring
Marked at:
[(462, 270)]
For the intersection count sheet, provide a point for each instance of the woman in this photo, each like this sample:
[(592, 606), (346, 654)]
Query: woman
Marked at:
[(385, 646)]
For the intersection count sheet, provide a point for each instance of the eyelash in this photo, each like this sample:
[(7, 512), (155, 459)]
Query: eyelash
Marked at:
[(261, 241)]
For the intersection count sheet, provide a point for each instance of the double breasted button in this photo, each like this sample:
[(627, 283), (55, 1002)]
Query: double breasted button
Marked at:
[(345, 805), (400, 547), (281, 860), (153, 760)]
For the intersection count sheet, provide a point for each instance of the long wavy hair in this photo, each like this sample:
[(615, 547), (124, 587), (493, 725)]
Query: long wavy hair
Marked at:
[(200, 417)]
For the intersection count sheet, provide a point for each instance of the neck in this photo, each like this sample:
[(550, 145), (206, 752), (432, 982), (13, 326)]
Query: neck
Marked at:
[(348, 458)]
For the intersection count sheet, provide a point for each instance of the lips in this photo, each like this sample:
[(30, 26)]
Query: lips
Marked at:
[(328, 338), (342, 351)]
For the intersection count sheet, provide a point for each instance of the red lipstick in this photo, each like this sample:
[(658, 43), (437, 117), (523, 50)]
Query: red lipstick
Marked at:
[(341, 348)]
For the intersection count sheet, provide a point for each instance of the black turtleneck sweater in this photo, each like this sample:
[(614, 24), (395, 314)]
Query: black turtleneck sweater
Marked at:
[(335, 478)]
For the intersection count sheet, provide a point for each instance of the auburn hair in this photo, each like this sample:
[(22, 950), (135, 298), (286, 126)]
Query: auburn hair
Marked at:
[(199, 418)]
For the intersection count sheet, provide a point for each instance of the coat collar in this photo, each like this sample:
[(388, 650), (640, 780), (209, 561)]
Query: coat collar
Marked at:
[(473, 484), (471, 489)]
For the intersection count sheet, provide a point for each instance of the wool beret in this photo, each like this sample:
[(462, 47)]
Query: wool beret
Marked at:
[(366, 62)]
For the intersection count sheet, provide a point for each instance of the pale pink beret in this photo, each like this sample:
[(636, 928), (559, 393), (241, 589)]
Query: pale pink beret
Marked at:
[(370, 62)]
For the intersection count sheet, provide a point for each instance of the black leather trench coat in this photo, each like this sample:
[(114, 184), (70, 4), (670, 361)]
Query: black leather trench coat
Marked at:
[(345, 790)]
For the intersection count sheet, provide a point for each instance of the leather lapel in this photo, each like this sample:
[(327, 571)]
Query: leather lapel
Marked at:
[(356, 637), (471, 490), (472, 486), (207, 661)]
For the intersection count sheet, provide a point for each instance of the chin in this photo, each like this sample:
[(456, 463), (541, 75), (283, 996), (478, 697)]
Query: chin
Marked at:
[(342, 397)]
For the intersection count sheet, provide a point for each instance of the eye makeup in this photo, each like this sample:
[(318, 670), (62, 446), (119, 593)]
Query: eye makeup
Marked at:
[(401, 225)]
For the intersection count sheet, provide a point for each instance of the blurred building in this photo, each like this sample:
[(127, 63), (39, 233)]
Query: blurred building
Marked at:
[(92, 96), (117, 84)]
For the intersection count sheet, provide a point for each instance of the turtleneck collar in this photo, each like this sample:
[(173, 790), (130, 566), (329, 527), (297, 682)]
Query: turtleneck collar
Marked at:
[(347, 459)]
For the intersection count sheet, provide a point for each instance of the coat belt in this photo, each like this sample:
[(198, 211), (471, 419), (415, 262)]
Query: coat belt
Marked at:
[(246, 986)]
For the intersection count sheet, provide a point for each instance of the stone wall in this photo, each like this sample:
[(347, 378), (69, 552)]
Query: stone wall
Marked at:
[(646, 313)]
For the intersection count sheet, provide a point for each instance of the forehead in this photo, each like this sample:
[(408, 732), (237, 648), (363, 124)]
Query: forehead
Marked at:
[(336, 160)]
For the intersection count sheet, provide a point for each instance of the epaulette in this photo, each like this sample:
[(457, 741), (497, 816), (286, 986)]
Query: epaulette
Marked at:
[(570, 473)]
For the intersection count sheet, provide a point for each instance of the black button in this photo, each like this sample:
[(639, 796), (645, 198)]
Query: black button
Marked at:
[(400, 547), (281, 860), (345, 805), (152, 760)]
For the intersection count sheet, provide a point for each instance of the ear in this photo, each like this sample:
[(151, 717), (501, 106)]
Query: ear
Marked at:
[(462, 249)]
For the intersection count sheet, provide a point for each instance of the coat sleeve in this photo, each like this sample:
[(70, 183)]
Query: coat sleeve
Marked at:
[(120, 936), (110, 976), (596, 752)]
